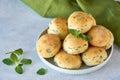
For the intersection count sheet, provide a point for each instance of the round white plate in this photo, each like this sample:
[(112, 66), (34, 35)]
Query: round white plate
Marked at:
[(82, 70)]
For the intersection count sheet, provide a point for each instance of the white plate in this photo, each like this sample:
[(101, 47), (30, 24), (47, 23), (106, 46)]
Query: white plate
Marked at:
[(82, 70)]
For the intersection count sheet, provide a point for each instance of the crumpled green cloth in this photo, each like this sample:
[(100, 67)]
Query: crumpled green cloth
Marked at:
[(106, 12), (53, 8)]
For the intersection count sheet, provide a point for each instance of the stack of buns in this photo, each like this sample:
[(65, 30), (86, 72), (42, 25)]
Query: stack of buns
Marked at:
[(70, 51)]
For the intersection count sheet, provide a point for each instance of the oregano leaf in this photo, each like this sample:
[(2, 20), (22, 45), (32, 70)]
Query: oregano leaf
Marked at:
[(18, 51), (19, 69), (85, 37), (26, 61), (42, 71), (13, 57), (7, 61), (78, 34), (74, 32)]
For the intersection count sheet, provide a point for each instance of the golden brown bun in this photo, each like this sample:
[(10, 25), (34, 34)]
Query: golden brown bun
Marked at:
[(94, 56), (69, 61), (81, 21), (74, 45), (111, 40), (99, 36), (59, 27), (48, 45)]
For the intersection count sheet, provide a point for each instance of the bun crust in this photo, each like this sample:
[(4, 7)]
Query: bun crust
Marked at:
[(69, 61), (99, 36), (59, 27), (111, 40), (94, 56), (74, 45), (81, 21), (48, 45)]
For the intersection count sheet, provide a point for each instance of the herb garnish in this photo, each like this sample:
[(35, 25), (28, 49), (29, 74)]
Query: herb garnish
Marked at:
[(16, 59), (78, 34), (41, 71), (8, 61)]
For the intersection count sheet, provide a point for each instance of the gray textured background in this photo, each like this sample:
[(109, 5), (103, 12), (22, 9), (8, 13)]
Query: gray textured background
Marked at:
[(19, 28)]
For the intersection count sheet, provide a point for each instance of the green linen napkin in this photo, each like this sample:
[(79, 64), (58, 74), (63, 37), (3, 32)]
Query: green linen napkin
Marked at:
[(106, 12), (53, 8)]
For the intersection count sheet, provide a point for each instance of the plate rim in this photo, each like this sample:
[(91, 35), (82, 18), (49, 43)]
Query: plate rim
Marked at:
[(82, 71)]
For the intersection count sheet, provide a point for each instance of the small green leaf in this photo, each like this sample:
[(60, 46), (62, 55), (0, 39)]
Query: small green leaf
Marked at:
[(88, 38), (42, 71), (7, 61), (19, 69), (74, 32), (13, 57), (18, 51), (85, 37), (26, 61), (78, 34)]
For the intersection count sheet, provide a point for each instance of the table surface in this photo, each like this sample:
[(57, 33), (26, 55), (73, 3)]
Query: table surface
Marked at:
[(20, 27)]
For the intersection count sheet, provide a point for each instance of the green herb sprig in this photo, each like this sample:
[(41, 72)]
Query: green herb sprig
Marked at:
[(41, 71), (78, 34), (16, 59)]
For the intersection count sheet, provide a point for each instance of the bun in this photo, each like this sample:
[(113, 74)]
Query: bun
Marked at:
[(59, 27), (74, 45), (99, 36), (69, 61), (48, 45), (94, 56), (81, 21)]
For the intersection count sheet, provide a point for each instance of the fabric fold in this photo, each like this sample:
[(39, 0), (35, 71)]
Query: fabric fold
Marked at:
[(106, 12), (53, 8)]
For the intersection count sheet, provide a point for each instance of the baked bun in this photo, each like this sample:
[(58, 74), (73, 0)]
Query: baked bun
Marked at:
[(111, 40), (99, 36), (81, 21), (94, 56), (69, 61), (48, 45), (59, 27), (74, 45)]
